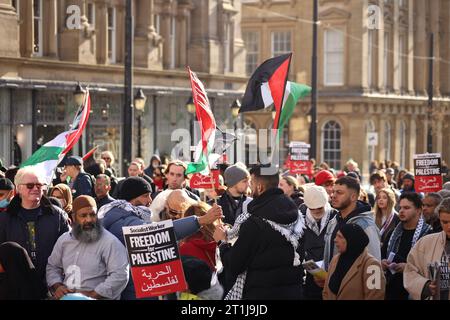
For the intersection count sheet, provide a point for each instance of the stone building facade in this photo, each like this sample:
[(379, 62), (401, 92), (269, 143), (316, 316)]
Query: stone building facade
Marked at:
[(372, 73), (43, 57)]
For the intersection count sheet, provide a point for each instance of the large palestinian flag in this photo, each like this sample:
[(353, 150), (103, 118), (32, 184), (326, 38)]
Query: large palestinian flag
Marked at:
[(269, 86), (47, 157), (266, 86)]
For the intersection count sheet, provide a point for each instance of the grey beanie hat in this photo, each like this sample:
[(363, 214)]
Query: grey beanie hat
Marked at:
[(234, 174)]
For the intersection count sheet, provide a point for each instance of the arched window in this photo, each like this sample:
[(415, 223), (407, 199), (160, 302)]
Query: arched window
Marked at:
[(402, 144), (371, 128), (331, 144), (387, 140)]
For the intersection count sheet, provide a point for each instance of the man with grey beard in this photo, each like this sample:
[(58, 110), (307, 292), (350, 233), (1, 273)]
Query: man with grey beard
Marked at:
[(88, 259)]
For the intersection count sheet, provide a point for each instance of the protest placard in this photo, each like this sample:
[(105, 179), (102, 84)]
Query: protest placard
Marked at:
[(427, 172), (199, 181), (298, 158), (155, 262)]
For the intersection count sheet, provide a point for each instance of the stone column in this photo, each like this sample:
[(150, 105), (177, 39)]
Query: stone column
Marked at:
[(26, 28), (380, 43), (396, 57), (120, 33), (51, 27), (183, 18), (410, 47), (101, 27), (420, 48), (434, 27), (165, 32)]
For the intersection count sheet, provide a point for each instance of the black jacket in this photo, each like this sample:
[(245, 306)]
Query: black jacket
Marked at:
[(311, 248), (231, 209), (51, 223), (297, 197), (83, 185), (264, 253)]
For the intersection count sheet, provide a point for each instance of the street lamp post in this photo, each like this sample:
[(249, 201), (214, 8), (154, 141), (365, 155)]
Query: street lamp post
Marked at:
[(190, 107), (139, 104), (78, 96), (313, 111), (430, 96), (235, 107), (128, 110)]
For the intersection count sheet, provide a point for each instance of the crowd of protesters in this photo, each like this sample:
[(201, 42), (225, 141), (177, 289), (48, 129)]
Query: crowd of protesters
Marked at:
[(251, 238)]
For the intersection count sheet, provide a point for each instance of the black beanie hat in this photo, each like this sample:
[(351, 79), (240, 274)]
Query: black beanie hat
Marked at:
[(134, 187)]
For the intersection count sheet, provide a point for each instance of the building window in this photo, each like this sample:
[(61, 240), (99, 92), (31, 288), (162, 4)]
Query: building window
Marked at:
[(402, 144), (226, 47), (251, 41), (112, 35), (387, 141), (331, 142), (91, 14), (334, 58), (370, 59), (281, 43), (371, 128), (401, 62), (172, 39), (38, 32), (16, 5), (157, 23), (386, 60)]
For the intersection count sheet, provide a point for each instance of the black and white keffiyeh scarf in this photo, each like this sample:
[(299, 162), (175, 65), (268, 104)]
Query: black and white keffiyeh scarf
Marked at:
[(292, 232), (311, 222), (394, 241)]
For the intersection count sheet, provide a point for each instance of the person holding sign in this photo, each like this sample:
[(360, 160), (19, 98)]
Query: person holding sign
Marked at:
[(367, 281), (133, 210), (88, 259), (431, 250)]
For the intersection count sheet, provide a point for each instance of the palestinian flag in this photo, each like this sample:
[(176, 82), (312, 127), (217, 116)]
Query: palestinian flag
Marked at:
[(47, 157), (207, 126), (294, 92), (267, 86)]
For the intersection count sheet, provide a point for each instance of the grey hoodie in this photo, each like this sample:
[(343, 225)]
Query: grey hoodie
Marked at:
[(366, 221)]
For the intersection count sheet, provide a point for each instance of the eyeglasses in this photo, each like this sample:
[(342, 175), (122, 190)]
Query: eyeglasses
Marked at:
[(30, 186), (106, 158)]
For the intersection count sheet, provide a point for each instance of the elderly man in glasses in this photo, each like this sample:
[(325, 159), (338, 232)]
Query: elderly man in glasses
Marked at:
[(31, 220)]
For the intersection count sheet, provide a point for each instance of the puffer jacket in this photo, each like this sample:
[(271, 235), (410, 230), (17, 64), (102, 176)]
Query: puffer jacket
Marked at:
[(361, 216)]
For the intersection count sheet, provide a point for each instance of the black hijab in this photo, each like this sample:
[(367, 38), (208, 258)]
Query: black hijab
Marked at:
[(19, 281), (357, 241)]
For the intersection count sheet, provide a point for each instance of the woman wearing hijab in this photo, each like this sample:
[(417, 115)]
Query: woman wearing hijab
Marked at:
[(63, 193), (353, 273), (18, 278)]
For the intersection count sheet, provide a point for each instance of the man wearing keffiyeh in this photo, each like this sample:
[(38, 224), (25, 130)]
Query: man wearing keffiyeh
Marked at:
[(411, 228), (264, 259)]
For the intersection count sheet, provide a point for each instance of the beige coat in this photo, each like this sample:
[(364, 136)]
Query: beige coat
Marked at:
[(428, 249), (358, 281)]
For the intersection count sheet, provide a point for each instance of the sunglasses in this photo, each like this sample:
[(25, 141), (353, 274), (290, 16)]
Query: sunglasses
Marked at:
[(30, 186), (106, 159)]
